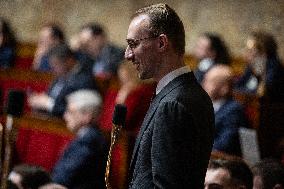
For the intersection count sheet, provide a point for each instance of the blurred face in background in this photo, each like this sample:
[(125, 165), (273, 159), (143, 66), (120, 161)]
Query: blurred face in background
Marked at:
[(46, 39), (202, 48), (91, 44), (74, 118), (254, 57), (127, 73)]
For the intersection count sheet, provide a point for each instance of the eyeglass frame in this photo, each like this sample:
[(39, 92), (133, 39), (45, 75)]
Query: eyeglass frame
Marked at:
[(133, 43)]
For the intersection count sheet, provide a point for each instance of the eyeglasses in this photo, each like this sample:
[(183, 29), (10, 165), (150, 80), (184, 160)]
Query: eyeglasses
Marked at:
[(133, 43)]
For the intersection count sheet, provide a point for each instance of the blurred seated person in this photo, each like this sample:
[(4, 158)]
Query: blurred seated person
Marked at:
[(105, 56), (28, 176), (228, 174), (264, 71), (7, 45), (136, 95), (268, 174), (50, 35), (229, 114), (210, 49), (82, 164), (132, 92), (69, 78)]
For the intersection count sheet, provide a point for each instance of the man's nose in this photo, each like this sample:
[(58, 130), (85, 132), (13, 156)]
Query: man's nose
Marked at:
[(128, 55)]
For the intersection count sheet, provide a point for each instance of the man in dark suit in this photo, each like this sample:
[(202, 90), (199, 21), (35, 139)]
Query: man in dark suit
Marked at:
[(229, 114), (174, 144), (103, 56), (83, 162), (70, 76)]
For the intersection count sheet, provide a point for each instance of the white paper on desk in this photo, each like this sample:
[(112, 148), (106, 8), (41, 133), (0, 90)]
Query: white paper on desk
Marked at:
[(249, 145)]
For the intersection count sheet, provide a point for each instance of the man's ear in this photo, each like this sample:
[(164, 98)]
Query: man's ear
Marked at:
[(163, 42)]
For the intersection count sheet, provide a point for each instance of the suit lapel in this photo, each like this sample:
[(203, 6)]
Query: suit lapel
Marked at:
[(152, 109)]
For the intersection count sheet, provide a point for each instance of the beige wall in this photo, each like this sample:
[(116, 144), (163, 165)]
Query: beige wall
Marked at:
[(233, 19)]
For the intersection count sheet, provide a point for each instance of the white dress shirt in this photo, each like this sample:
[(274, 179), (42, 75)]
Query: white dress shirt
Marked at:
[(171, 76)]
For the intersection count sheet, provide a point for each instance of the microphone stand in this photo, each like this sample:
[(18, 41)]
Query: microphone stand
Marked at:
[(118, 121), (114, 135)]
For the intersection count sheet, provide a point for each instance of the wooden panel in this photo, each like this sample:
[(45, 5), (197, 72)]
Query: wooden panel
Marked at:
[(25, 50), (25, 75), (238, 64)]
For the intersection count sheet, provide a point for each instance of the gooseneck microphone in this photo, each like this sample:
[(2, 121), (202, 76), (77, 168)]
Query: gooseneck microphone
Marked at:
[(118, 121), (14, 109)]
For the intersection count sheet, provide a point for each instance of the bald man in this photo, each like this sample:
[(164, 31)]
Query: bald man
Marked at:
[(229, 114)]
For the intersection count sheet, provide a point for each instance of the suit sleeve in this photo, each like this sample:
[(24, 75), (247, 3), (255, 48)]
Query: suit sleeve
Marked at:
[(72, 165), (227, 137), (174, 147)]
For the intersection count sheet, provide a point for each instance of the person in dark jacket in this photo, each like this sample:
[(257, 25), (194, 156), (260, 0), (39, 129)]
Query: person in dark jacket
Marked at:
[(82, 164), (210, 50), (70, 77), (264, 72), (229, 114)]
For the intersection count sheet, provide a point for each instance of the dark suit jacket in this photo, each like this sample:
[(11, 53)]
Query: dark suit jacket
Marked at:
[(82, 165), (228, 119), (77, 79), (174, 144)]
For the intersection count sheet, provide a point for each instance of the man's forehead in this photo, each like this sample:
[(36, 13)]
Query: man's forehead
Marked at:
[(218, 175), (86, 33), (138, 25)]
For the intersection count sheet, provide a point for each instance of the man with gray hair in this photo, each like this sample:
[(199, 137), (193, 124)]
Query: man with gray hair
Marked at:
[(83, 162)]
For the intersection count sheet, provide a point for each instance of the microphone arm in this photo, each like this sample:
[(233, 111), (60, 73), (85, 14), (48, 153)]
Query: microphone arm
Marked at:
[(118, 122)]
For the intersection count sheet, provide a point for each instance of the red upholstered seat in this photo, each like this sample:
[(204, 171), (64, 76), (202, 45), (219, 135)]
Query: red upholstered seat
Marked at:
[(24, 63), (39, 147)]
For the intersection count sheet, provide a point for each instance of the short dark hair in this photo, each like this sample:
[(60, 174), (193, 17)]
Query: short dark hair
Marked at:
[(271, 172), (265, 43), (95, 28), (217, 44), (61, 51), (164, 20), (239, 171), (32, 176), (9, 39), (56, 31)]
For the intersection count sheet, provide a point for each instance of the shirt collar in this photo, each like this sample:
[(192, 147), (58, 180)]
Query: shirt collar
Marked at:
[(171, 76), (217, 104), (82, 132)]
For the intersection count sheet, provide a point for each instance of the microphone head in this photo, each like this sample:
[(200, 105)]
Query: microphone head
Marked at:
[(15, 102), (119, 114)]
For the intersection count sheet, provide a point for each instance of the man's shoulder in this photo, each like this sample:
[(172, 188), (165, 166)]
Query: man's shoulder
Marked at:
[(232, 104)]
